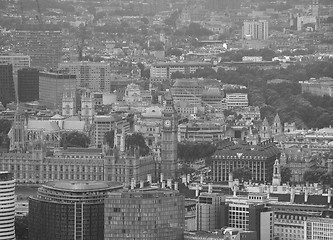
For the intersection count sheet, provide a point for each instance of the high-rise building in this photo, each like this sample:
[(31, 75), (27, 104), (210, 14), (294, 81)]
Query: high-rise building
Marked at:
[(7, 209), (209, 211), (69, 210), (52, 86), (92, 75), (18, 61), (7, 88), (320, 227), (169, 159), (43, 43), (28, 84), (144, 214), (255, 30)]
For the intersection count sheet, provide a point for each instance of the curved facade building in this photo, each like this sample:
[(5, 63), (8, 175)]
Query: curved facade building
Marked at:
[(7, 206), (69, 210)]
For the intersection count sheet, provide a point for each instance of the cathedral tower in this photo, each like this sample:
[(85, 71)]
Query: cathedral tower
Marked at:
[(169, 159), (17, 132), (68, 103), (87, 106)]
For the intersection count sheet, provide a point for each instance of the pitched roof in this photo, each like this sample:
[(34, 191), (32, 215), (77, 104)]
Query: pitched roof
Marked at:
[(45, 125)]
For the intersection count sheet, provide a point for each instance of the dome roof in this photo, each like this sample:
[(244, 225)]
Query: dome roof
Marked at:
[(152, 112)]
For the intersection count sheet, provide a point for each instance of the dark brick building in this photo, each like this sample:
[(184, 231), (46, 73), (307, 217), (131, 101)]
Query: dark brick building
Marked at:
[(28, 84), (7, 88)]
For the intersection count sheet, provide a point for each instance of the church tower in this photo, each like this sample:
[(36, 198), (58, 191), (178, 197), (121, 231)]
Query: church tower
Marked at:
[(265, 132), (169, 159), (277, 126), (68, 103), (276, 174), (17, 132), (87, 106)]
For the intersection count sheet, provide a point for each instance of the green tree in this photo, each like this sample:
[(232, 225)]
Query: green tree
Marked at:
[(74, 139), (242, 174), (5, 126), (285, 174), (136, 140)]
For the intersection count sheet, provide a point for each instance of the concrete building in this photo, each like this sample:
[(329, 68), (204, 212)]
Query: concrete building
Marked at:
[(255, 30), (7, 209), (209, 211), (320, 87), (18, 61), (258, 158), (28, 84), (43, 43), (234, 100), (251, 213), (201, 132), (187, 90), (144, 214), (69, 210), (96, 76), (52, 86), (7, 89), (320, 227), (165, 70)]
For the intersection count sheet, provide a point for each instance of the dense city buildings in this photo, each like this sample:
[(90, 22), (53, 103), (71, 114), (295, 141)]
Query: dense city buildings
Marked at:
[(145, 214), (28, 84), (43, 43), (187, 90), (7, 203), (52, 86), (92, 75), (69, 210), (235, 100), (7, 90), (18, 61)]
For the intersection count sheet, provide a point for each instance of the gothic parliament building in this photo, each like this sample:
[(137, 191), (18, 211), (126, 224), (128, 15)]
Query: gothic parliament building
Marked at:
[(35, 154)]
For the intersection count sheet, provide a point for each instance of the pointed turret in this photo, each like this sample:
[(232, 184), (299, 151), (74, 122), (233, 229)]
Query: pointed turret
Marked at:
[(276, 173)]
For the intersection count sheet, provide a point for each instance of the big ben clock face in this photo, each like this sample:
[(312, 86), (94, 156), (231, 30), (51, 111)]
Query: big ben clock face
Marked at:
[(167, 123)]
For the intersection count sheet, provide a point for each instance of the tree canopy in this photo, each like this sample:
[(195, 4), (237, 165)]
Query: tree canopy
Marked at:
[(74, 139), (189, 152), (136, 140), (242, 174)]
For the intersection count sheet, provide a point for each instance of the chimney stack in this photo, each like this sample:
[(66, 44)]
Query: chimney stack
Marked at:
[(184, 179), (210, 188), (235, 191), (197, 190), (141, 184), (162, 184), (176, 186), (201, 179), (292, 195), (169, 183), (149, 178), (306, 195), (329, 195), (132, 183), (188, 178), (161, 177)]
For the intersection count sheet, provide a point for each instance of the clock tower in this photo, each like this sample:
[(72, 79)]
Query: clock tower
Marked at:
[(169, 159)]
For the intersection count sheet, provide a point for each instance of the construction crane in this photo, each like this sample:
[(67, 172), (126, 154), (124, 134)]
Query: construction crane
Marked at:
[(39, 17)]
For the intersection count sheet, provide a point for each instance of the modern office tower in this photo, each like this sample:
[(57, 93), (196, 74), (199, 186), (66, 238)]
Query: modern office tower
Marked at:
[(7, 88), (144, 214), (187, 90), (92, 75), (259, 159), (28, 84), (169, 159), (236, 100), (320, 227), (52, 86), (209, 211), (7, 206), (255, 30), (69, 210), (18, 61), (250, 213), (43, 43)]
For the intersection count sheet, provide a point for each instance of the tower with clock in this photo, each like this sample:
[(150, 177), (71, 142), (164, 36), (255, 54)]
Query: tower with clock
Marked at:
[(169, 160)]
